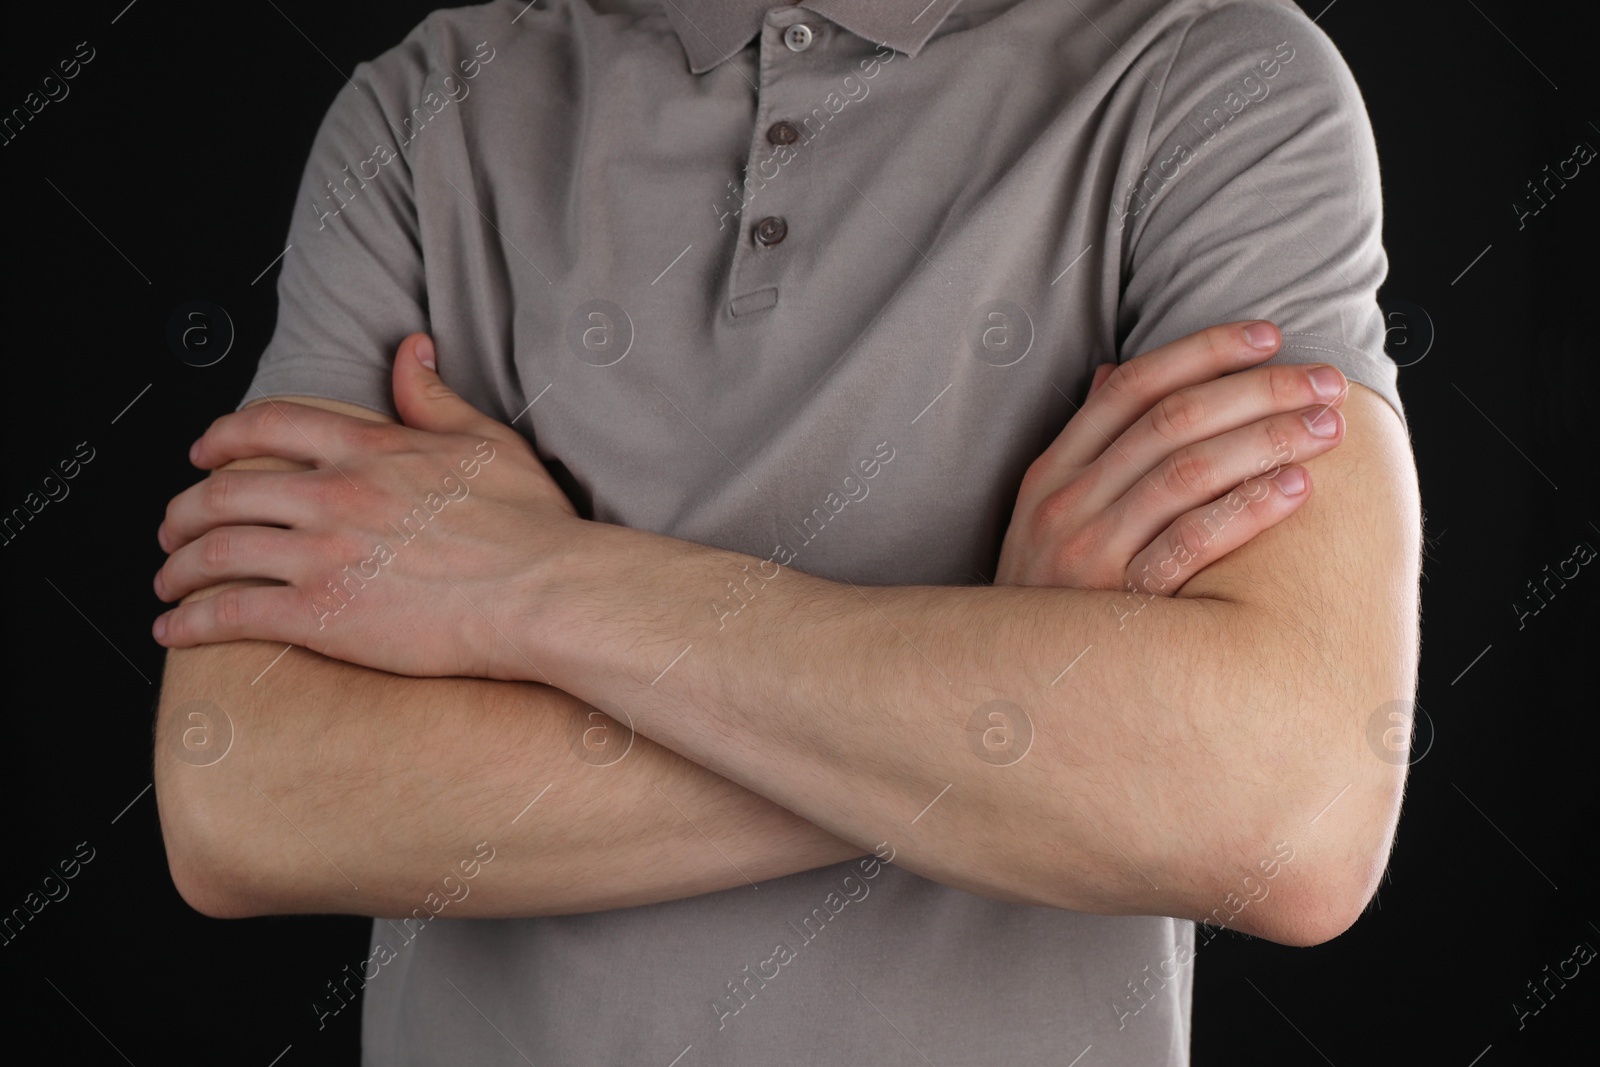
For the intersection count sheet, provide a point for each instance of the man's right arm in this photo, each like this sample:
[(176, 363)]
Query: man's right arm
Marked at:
[(350, 790)]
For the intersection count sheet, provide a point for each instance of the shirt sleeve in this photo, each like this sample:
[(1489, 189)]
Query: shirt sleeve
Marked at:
[(352, 283), (1257, 196)]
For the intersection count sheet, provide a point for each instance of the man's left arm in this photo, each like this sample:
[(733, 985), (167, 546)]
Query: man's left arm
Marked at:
[(1176, 742), (1172, 749)]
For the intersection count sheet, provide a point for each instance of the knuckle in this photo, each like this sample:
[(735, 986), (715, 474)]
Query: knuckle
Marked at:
[(216, 549), (1058, 511), (1222, 342), (1070, 559), (327, 494), (437, 390), (321, 493), (1278, 437), (1287, 386), (1187, 472), (217, 491), (369, 436), (1189, 539), (222, 423), (264, 416), (1054, 514), (335, 545), (1085, 545), (178, 628), (1036, 473), (230, 609), (1177, 416), (1130, 379)]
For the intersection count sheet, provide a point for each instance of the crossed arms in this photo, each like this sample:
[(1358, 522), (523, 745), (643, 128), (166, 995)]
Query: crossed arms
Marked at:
[(1196, 732)]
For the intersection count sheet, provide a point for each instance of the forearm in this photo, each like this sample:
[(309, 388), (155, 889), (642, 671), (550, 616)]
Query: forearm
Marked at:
[(1169, 759), (350, 790), (346, 789), (865, 695)]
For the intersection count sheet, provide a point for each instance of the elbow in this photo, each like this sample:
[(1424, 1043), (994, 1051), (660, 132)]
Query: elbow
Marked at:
[(1310, 917), (1346, 850), (1326, 885), (210, 877), (1329, 792), (209, 830), (1306, 870)]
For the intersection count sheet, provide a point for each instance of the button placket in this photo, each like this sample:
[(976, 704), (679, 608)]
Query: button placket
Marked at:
[(755, 273)]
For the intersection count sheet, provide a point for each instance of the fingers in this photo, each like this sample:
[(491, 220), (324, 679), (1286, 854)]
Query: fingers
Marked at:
[(1204, 535), (1197, 474), (1101, 373), (292, 431), (1132, 388), (237, 498), (263, 613), (1209, 410), (225, 554)]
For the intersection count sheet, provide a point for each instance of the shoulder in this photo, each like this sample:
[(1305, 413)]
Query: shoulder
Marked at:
[(1252, 84), (1232, 27), (1272, 42), (449, 48)]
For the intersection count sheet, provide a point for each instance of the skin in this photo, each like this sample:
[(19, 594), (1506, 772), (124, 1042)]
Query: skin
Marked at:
[(1238, 674)]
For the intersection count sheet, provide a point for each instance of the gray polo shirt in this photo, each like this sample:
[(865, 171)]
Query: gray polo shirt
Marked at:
[(719, 261)]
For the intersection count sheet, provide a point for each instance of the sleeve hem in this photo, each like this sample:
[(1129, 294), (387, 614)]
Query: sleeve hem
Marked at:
[(333, 383)]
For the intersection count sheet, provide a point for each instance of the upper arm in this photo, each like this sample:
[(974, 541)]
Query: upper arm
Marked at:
[(1333, 594), (353, 284), (1258, 196), (1268, 206), (1272, 210), (1340, 576)]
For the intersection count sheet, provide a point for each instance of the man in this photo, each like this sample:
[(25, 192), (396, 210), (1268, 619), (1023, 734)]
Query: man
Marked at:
[(785, 430)]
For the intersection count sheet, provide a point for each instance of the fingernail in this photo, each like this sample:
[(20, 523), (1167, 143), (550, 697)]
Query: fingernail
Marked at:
[(194, 450), (424, 352), (1291, 481), (1322, 422), (1261, 335), (1327, 382), (160, 627)]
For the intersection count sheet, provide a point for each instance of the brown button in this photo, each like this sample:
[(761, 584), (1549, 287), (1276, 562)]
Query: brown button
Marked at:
[(783, 133), (771, 230)]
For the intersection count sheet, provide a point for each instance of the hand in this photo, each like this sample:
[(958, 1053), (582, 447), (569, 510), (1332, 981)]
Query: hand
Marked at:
[(405, 548), (1173, 461)]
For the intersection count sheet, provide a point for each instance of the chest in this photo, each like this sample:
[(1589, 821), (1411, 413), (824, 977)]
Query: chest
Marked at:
[(821, 304)]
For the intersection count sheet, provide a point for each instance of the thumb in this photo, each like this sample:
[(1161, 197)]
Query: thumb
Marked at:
[(421, 397)]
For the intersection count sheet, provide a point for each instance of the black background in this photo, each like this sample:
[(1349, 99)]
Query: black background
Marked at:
[(168, 175)]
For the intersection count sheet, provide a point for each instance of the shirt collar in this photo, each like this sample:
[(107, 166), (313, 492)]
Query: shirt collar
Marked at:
[(713, 30)]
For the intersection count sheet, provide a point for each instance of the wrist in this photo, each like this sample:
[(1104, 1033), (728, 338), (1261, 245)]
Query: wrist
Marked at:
[(598, 608), (627, 612)]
